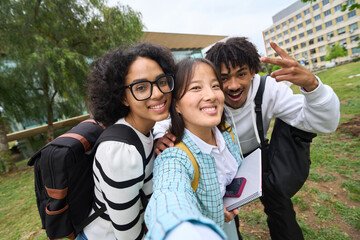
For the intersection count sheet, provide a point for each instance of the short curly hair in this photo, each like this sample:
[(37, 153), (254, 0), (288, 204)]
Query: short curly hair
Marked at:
[(238, 51), (105, 82)]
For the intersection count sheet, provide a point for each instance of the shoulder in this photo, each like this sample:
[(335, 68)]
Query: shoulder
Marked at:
[(116, 155)]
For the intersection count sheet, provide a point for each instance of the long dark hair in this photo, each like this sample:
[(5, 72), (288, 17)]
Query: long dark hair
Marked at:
[(184, 71), (105, 82)]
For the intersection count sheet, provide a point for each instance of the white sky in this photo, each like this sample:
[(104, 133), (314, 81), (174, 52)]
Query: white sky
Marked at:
[(214, 17)]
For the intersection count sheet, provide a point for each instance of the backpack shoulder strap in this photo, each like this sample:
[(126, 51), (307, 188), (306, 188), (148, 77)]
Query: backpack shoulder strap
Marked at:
[(229, 129), (122, 133), (258, 103), (195, 182)]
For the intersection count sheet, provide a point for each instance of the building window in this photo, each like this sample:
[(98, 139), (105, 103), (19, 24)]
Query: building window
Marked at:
[(283, 24), (338, 8), (271, 30), (352, 14), (277, 27), (296, 47), (318, 28), (322, 58), (329, 35), (297, 56), (266, 33), (354, 38), (315, 7), (311, 41), (268, 41), (281, 44), (312, 51), (291, 20), (342, 42), (341, 31), (279, 35), (349, 2), (269, 49), (328, 24), (292, 29), (339, 19), (355, 50), (301, 35), (304, 54), (300, 25), (273, 39), (293, 38), (314, 60), (320, 38), (322, 49), (327, 13), (306, 12), (286, 32), (324, 2), (310, 31), (353, 27), (298, 16), (317, 17), (308, 22), (287, 41), (303, 44)]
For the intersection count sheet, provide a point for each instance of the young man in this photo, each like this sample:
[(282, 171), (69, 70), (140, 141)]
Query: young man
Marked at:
[(316, 109)]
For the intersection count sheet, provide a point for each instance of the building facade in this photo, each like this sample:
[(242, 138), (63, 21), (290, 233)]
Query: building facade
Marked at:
[(307, 30)]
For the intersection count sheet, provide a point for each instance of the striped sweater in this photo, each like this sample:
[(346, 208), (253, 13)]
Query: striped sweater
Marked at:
[(119, 176)]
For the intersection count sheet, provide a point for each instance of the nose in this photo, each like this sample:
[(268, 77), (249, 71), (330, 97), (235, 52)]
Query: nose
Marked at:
[(156, 93), (232, 84), (209, 93)]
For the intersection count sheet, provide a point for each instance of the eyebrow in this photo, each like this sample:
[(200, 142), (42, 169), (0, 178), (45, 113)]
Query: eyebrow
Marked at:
[(240, 70), (146, 80)]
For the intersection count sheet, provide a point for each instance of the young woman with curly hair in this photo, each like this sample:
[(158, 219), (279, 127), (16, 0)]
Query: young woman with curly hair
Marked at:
[(130, 87)]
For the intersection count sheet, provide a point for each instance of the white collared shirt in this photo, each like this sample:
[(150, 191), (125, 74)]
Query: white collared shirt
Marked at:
[(226, 165)]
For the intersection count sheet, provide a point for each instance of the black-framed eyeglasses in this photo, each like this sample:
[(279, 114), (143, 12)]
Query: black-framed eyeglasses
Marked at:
[(142, 88)]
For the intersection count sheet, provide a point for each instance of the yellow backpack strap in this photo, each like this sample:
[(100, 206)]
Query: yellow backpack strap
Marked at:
[(228, 128), (195, 181)]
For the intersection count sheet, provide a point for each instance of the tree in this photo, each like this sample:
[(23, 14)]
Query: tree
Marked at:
[(351, 6), (46, 48), (335, 52)]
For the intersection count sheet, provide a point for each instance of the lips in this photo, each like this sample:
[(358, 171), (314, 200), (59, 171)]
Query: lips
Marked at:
[(158, 107), (209, 109), (235, 96)]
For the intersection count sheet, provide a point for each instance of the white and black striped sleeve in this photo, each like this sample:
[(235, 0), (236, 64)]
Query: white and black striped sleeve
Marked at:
[(118, 168)]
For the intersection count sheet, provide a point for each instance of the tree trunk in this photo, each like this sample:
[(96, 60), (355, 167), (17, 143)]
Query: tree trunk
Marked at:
[(50, 129), (5, 157)]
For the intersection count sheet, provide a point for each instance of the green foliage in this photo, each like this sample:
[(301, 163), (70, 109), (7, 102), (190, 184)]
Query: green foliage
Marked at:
[(350, 215), (46, 48), (335, 52), (275, 67)]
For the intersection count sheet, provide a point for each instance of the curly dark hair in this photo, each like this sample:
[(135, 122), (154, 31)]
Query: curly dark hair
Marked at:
[(184, 71), (238, 51), (105, 82)]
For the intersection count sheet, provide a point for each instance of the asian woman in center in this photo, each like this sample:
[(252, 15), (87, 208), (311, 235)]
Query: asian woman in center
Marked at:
[(177, 209)]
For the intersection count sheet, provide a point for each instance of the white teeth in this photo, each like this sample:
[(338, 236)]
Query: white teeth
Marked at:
[(235, 94), (208, 109), (158, 106)]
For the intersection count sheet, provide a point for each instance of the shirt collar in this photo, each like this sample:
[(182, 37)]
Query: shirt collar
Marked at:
[(205, 147)]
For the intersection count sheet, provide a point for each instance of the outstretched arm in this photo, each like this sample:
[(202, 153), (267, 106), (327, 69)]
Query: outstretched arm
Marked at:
[(291, 70)]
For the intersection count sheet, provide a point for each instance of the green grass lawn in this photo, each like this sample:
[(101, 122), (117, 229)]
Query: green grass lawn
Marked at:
[(328, 205)]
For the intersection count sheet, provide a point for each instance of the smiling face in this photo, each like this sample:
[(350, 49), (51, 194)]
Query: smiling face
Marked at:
[(202, 105), (144, 114), (236, 83)]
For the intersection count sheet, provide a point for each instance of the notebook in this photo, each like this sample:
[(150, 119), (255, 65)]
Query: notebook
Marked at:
[(250, 169)]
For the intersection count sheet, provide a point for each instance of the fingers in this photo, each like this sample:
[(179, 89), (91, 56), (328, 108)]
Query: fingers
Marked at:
[(229, 215), (281, 52), (164, 142)]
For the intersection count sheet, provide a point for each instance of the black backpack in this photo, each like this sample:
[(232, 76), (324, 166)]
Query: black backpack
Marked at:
[(64, 184), (286, 159)]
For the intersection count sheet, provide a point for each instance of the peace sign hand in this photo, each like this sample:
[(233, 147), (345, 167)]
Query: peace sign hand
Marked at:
[(291, 70)]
